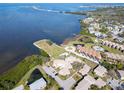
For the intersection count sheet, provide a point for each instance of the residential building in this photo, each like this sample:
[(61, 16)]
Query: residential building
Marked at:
[(100, 83), (64, 72), (96, 33), (98, 48), (89, 52), (121, 74), (101, 71), (38, 84), (85, 70), (88, 80), (88, 20), (115, 84), (85, 83), (59, 63), (113, 45), (95, 25), (118, 39), (115, 56), (65, 65)]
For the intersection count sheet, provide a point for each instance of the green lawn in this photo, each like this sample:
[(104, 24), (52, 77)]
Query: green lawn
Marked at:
[(112, 50), (77, 77), (52, 49), (26, 76)]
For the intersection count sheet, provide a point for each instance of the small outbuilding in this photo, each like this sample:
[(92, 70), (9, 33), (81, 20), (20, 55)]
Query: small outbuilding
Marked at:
[(38, 84)]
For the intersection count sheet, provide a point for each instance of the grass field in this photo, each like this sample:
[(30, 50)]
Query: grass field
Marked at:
[(52, 49), (112, 50)]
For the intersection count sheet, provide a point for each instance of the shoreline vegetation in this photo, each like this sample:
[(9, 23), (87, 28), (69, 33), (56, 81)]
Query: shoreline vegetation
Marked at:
[(13, 77), (22, 72), (9, 79), (77, 13)]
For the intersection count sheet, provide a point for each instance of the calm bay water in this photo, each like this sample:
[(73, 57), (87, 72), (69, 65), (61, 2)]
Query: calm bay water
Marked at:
[(23, 24)]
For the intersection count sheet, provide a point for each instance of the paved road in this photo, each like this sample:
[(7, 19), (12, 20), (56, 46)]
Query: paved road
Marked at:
[(66, 84)]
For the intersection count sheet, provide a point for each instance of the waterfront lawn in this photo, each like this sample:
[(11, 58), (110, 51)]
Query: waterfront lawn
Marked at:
[(52, 49), (25, 78), (9, 79)]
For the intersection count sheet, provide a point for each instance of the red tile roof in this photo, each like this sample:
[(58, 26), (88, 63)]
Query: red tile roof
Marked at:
[(88, 51)]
